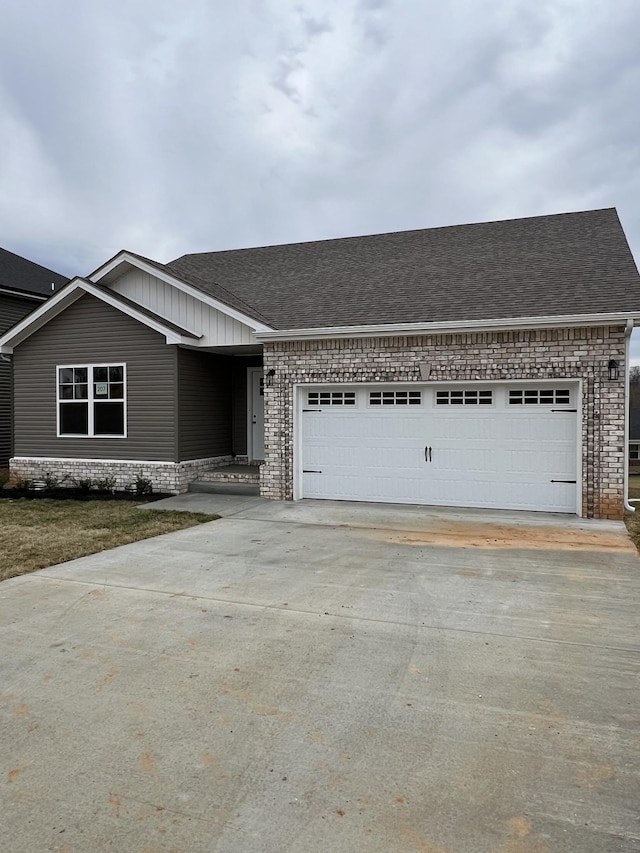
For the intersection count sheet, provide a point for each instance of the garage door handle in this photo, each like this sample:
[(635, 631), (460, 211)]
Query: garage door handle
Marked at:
[(427, 454)]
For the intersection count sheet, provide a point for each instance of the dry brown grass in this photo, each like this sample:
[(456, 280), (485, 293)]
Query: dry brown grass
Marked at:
[(35, 534)]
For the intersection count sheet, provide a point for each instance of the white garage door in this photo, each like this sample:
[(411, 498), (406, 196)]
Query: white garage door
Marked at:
[(503, 447)]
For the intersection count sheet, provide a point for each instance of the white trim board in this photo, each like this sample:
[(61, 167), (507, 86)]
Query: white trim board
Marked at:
[(450, 327)]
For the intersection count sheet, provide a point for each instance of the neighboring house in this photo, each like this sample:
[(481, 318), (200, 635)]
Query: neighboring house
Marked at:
[(475, 366), (23, 287)]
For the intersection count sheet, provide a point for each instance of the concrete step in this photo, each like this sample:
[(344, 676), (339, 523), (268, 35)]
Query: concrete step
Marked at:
[(223, 477), (224, 488)]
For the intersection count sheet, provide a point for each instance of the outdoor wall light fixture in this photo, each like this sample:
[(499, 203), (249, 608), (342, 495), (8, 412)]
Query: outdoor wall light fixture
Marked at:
[(270, 374), (614, 371)]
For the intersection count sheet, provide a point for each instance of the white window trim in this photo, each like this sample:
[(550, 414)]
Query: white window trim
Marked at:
[(556, 389), (90, 399), (394, 404), (449, 386)]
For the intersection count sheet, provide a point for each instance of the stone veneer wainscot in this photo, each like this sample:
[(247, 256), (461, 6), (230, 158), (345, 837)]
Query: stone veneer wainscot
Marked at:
[(165, 476)]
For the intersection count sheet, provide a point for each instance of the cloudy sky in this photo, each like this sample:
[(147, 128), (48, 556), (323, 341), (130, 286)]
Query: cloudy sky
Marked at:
[(169, 127)]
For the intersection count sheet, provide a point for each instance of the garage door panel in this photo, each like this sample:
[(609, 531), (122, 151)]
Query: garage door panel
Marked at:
[(498, 456)]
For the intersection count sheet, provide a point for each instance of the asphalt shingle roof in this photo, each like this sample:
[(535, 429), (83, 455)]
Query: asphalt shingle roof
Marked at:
[(17, 273), (570, 263)]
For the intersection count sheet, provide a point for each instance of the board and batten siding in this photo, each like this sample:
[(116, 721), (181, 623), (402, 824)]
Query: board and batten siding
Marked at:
[(216, 327), (204, 405), (12, 310), (91, 332)]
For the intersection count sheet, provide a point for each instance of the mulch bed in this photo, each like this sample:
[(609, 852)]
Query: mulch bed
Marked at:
[(81, 495)]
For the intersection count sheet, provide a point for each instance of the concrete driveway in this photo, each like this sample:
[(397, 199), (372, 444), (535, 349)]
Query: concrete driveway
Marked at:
[(327, 677)]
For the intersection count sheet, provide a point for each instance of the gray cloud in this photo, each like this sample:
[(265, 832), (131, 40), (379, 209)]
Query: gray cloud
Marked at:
[(202, 126)]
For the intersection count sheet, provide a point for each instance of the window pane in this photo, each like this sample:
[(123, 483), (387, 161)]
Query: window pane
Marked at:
[(80, 374), (116, 374), (108, 419), (74, 419), (117, 391), (80, 392), (66, 392), (100, 374), (66, 374)]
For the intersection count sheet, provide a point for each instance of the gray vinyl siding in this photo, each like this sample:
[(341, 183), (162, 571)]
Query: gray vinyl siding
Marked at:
[(5, 414), (87, 332), (239, 402), (204, 405), (12, 310)]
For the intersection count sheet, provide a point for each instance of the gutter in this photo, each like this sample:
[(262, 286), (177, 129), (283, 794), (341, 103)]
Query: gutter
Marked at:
[(627, 404), (36, 297), (447, 327)]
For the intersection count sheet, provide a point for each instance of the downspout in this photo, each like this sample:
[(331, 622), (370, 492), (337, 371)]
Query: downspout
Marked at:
[(627, 403)]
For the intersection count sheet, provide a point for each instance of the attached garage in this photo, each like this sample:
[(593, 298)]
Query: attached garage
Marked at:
[(491, 445)]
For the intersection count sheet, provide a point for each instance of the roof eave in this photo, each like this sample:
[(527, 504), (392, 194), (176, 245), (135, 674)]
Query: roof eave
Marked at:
[(451, 327), (23, 294), (70, 294)]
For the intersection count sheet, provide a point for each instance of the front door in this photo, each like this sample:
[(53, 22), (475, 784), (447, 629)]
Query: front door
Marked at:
[(256, 414)]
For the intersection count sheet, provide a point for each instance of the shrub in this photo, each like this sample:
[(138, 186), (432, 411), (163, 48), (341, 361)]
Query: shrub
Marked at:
[(85, 484), (143, 485), (52, 482), (107, 484)]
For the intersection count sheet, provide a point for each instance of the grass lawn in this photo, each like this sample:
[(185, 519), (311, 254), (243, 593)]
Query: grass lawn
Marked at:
[(35, 534)]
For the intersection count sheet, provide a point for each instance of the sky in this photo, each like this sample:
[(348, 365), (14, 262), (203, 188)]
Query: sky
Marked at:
[(168, 128)]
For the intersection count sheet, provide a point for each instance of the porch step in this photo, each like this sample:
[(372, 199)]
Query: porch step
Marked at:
[(230, 480), (222, 488), (248, 474)]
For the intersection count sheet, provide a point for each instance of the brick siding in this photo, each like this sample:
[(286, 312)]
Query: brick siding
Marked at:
[(169, 477), (543, 354)]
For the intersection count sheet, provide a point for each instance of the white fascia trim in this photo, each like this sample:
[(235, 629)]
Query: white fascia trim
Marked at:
[(67, 296), (449, 327), (9, 291), (125, 257)]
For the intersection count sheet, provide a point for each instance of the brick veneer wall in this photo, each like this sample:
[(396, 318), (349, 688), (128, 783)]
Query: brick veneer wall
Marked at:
[(544, 354), (164, 476)]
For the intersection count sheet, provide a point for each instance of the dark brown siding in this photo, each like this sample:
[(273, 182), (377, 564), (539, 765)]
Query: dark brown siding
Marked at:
[(204, 405), (12, 309), (91, 332), (239, 402)]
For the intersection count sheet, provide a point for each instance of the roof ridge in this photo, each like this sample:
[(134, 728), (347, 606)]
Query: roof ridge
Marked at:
[(394, 233)]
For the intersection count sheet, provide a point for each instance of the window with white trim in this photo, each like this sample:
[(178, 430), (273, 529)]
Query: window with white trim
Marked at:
[(92, 400), (470, 397), (331, 398), (395, 398), (539, 397)]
